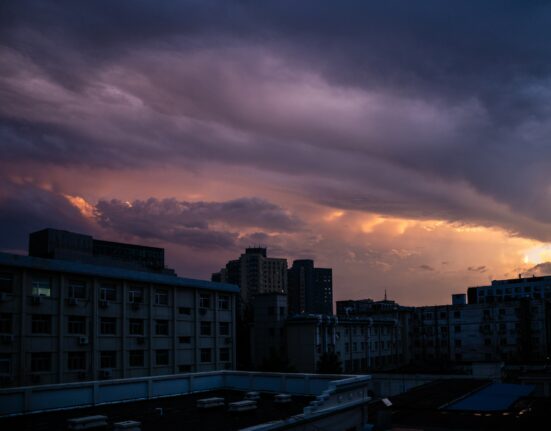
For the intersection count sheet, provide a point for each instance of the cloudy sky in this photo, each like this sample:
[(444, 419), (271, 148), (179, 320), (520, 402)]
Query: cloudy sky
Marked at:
[(407, 145)]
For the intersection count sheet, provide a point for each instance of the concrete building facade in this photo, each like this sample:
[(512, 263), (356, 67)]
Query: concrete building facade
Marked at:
[(512, 331), (361, 344), (64, 321)]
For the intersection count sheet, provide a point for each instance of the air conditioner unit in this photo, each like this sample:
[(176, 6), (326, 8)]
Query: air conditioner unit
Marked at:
[(140, 340), (82, 340), (105, 373), (7, 339), (103, 303), (4, 296), (72, 301), (36, 300)]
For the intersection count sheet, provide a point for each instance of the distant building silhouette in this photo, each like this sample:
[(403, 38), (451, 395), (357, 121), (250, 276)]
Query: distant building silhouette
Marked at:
[(310, 289)]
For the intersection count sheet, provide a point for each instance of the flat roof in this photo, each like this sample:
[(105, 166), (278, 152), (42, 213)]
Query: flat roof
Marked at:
[(496, 397), (178, 413), (71, 267)]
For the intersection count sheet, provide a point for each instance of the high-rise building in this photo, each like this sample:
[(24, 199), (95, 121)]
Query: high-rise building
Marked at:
[(255, 273), (310, 288)]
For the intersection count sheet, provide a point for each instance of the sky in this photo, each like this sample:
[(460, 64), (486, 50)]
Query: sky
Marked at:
[(407, 145)]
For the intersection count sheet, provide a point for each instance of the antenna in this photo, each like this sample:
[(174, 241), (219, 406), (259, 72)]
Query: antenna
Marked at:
[(385, 294)]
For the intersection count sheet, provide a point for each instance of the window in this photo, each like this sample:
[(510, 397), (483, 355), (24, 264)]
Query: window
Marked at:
[(107, 292), (41, 361), (224, 354), (108, 326), (76, 360), (76, 324), (161, 297), (136, 327), (206, 355), (76, 289), (487, 342), (224, 328), (271, 310), (136, 358), (224, 302), (108, 359), (184, 339), (205, 328), (6, 282), (457, 343), (41, 324), (135, 295), (457, 328), (271, 332), (204, 300), (5, 323), (161, 357), (161, 327), (457, 314), (281, 311), (41, 286), (184, 310), (5, 363)]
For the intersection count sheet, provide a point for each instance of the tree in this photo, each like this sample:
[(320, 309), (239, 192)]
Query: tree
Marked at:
[(329, 363), (276, 362)]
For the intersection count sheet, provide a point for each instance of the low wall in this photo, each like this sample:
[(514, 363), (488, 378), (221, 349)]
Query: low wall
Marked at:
[(34, 399)]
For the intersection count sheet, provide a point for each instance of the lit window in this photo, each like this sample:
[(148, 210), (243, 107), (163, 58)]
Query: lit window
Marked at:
[(41, 286)]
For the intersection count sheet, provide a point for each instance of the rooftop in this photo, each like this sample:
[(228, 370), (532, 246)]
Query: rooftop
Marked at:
[(463, 404), (111, 272), (48, 407), (174, 413)]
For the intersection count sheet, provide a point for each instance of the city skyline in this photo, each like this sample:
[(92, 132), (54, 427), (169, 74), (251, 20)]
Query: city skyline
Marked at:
[(403, 146)]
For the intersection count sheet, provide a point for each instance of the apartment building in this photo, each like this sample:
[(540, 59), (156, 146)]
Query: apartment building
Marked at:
[(361, 344), (62, 320), (511, 289), (511, 331)]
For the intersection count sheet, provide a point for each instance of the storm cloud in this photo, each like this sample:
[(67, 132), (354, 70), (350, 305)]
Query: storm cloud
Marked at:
[(416, 111)]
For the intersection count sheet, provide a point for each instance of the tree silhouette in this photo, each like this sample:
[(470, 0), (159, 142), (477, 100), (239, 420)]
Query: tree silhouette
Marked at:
[(329, 363)]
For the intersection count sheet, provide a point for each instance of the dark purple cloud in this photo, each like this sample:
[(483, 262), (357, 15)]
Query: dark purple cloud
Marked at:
[(419, 111), (25, 208), (195, 224)]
